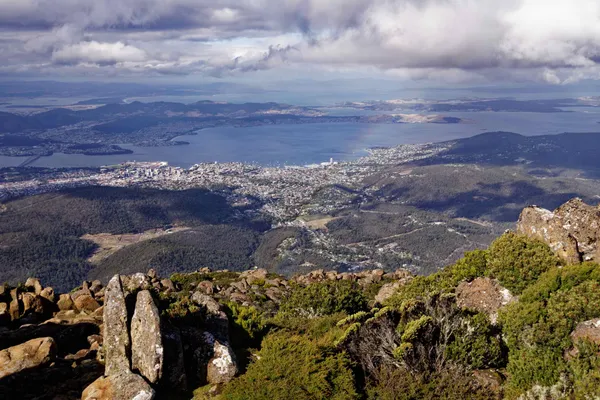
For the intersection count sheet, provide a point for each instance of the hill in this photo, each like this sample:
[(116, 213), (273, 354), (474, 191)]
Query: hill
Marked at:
[(518, 320)]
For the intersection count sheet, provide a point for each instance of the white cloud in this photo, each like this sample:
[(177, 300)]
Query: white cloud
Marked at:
[(98, 53)]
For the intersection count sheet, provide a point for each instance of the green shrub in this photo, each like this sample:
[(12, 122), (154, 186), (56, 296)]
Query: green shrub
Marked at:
[(294, 367), (247, 319), (538, 327), (412, 330), (476, 344), (471, 266), (517, 261), (400, 384), (325, 298)]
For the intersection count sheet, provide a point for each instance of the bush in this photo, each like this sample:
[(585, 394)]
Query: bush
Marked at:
[(294, 367), (471, 266), (400, 384), (517, 261), (325, 298), (538, 327)]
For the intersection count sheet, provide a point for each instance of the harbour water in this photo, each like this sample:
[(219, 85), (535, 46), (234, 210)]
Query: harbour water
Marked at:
[(312, 143)]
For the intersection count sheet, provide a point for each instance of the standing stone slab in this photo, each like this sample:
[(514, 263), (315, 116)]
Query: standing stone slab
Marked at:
[(147, 352), (116, 336)]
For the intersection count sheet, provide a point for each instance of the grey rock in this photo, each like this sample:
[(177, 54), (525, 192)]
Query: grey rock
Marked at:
[(222, 367), (116, 336), (123, 386), (168, 284), (147, 353), (138, 281), (572, 230)]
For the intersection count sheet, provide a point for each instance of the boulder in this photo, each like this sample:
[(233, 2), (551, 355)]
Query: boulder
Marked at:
[(146, 343), (484, 295), (168, 284), (31, 354), (86, 303), (572, 231), (48, 294), (152, 273), (14, 309), (387, 290), (206, 287), (84, 291), (254, 275), (34, 284), (123, 386), (95, 287), (65, 302), (137, 282), (584, 331), (116, 336), (274, 294), (222, 367), (587, 330)]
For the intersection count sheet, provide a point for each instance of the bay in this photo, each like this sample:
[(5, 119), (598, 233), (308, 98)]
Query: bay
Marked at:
[(303, 144)]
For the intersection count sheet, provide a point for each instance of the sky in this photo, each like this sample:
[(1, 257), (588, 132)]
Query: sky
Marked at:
[(553, 42)]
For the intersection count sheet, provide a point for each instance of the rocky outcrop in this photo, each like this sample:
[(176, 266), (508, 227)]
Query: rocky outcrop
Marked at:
[(121, 342), (31, 354), (147, 351), (572, 230), (484, 295)]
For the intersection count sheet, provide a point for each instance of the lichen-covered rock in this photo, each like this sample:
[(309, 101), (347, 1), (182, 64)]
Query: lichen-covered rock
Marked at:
[(147, 352), (31, 354), (572, 231), (138, 281), (484, 295), (222, 367), (123, 386), (116, 335)]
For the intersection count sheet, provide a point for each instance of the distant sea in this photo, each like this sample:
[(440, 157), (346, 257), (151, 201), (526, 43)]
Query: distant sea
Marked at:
[(313, 143)]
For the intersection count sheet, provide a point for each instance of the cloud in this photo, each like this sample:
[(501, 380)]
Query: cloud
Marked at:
[(551, 41), (98, 53)]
